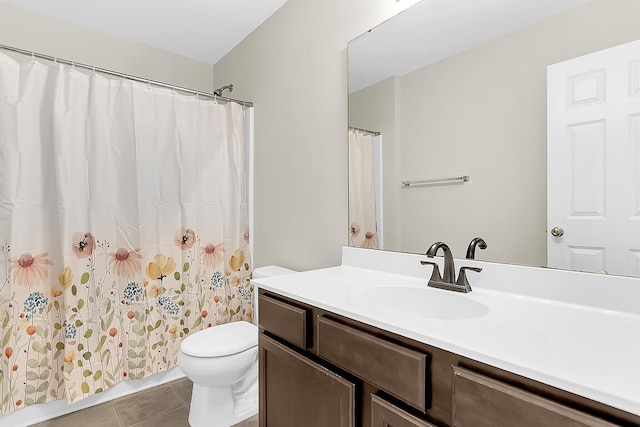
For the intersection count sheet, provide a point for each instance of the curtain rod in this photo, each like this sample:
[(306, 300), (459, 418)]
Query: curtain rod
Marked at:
[(125, 76), (371, 132)]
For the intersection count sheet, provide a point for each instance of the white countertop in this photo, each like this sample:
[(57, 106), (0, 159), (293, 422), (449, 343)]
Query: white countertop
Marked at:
[(590, 347)]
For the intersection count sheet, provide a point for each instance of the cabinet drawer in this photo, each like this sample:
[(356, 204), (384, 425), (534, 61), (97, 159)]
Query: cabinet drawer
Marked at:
[(384, 414), (395, 369), (284, 320), (481, 401)]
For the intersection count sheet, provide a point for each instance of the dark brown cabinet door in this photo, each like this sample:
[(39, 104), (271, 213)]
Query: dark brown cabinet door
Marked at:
[(384, 414), (295, 391)]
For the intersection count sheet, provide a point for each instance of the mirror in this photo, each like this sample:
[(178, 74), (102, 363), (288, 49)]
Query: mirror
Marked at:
[(459, 88)]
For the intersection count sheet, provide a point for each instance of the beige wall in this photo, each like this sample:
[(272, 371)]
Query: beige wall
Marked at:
[(39, 33), (294, 69), (483, 113)]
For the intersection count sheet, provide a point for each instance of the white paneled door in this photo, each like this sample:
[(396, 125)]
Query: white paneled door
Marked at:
[(593, 162)]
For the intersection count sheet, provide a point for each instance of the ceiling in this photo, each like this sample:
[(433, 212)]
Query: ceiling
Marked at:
[(204, 30)]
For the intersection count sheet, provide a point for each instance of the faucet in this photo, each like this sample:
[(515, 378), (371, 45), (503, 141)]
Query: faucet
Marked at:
[(471, 250), (449, 275), (448, 280)]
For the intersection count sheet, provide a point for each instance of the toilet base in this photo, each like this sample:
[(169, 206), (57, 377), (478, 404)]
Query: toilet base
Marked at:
[(216, 407)]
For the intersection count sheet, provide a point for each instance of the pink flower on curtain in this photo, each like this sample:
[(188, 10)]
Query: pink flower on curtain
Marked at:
[(370, 241), (246, 236), (83, 244), (185, 238), (354, 229), (29, 270), (125, 263), (212, 255)]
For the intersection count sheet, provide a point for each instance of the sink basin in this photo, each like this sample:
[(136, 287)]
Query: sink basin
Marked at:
[(421, 302)]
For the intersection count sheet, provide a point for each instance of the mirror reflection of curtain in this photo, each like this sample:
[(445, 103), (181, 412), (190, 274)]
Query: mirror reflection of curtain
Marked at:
[(363, 230), (123, 229)]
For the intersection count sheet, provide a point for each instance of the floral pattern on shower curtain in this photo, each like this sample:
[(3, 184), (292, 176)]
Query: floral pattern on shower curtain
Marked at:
[(363, 229), (123, 229)]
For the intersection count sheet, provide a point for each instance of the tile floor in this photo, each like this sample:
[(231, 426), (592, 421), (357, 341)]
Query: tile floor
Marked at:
[(166, 405)]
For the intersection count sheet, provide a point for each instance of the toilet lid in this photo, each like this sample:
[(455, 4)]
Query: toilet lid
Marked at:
[(221, 340)]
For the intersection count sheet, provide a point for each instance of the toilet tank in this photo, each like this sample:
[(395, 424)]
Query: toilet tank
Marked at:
[(260, 273)]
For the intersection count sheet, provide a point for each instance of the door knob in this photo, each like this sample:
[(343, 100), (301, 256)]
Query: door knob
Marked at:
[(557, 231)]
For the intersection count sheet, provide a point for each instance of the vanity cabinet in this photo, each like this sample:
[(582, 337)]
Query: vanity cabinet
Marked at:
[(318, 368)]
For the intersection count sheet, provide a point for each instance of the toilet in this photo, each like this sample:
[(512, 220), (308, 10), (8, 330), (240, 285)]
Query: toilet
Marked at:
[(222, 363)]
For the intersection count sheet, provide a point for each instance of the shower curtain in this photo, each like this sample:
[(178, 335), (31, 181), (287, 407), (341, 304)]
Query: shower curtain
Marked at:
[(362, 202), (123, 229)]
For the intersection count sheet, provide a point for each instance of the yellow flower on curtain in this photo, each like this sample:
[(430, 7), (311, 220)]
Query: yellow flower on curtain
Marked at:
[(125, 263), (237, 260), (160, 267), (153, 291), (29, 270), (56, 291), (66, 278)]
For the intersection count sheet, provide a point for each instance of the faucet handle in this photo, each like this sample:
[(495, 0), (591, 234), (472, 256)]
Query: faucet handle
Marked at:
[(435, 274), (462, 277)]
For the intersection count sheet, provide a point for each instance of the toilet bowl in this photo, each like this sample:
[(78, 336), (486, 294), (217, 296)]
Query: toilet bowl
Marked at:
[(222, 363)]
